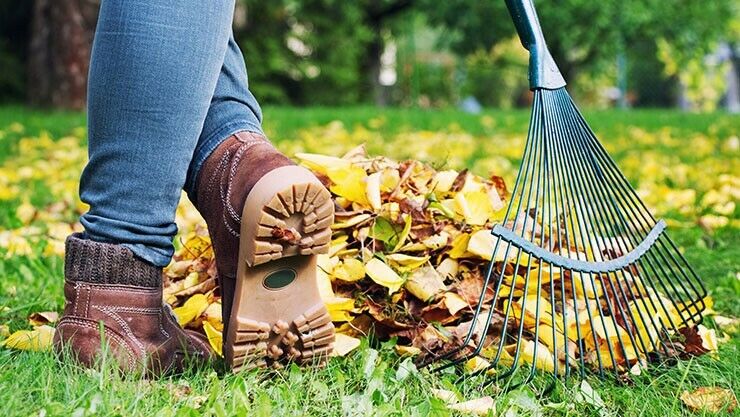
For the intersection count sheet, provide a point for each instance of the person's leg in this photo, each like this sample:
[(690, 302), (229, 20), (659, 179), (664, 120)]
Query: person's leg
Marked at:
[(233, 109), (154, 69), (234, 163)]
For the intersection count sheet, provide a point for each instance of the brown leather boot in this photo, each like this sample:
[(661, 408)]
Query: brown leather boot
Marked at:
[(114, 302), (268, 219)]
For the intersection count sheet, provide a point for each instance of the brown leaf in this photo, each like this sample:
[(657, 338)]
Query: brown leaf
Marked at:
[(457, 185), (692, 341), (40, 319)]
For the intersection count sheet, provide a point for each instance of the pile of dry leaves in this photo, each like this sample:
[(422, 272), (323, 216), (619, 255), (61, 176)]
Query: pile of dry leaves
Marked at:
[(409, 252)]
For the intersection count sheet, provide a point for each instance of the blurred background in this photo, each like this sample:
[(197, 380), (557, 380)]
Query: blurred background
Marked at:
[(417, 53)]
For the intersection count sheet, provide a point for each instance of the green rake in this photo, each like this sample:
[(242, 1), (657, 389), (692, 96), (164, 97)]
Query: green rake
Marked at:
[(604, 287)]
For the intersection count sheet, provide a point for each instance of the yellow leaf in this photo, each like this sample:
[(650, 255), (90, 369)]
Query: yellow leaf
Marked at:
[(339, 308), (481, 244), (544, 359), (480, 406), (4, 331), (213, 316), (406, 263), (191, 280), (459, 246), (475, 364), (322, 163), (402, 350), (349, 182), (474, 206), (708, 338), (443, 181), (404, 233), (215, 338), (351, 222), (425, 283), (372, 190), (349, 270), (454, 302), (344, 344), (712, 399), (382, 274), (389, 179), (38, 339), (192, 309), (494, 199)]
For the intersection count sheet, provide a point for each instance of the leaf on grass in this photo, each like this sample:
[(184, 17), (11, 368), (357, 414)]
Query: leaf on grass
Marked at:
[(480, 406), (708, 338), (40, 319), (587, 395), (38, 339), (4, 331), (192, 309), (712, 399), (403, 350), (344, 344), (449, 397), (215, 338), (383, 275)]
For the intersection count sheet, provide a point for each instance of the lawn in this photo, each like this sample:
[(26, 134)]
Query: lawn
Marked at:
[(685, 166)]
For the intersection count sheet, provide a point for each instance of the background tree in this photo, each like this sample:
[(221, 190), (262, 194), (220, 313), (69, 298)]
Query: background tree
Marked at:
[(59, 52)]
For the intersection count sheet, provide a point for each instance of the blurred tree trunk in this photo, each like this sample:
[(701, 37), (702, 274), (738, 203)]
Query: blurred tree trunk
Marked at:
[(59, 52), (377, 15)]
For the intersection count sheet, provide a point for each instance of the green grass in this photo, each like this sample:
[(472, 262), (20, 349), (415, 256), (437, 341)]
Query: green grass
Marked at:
[(372, 380)]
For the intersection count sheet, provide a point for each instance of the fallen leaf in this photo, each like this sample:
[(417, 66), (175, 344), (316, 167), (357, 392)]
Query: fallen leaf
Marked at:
[(344, 344), (425, 283), (215, 338), (191, 309), (38, 339), (40, 319), (454, 302), (480, 406), (382, 274), (447, 396), (712, 399), (349, 270)]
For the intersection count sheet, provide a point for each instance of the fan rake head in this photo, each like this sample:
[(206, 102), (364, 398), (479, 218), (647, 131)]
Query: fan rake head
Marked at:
[(582, 278)]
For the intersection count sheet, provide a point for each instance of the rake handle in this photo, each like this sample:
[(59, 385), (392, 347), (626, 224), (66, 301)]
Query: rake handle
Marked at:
[(543, 72)]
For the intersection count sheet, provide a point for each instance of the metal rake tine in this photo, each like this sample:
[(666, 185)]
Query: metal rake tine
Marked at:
[(517, 185), (605, 228), (635, 201), (562, 159)]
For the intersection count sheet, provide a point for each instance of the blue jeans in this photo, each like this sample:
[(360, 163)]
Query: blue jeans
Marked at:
[(167, 85)]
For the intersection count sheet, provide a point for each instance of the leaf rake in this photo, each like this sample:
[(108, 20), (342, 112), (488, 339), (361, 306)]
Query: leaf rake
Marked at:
[(584, 278)]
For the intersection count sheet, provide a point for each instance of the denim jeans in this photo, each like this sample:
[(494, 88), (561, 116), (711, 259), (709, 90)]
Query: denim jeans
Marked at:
[(167, 85)]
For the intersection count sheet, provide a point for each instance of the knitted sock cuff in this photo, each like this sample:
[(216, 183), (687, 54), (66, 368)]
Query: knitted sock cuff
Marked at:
[(106, 263)]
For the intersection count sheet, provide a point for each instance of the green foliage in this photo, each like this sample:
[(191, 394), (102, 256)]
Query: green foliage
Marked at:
[(496, 78), (584, 35)]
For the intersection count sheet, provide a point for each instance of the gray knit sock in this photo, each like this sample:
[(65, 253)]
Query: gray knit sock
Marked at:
[(105, 263)]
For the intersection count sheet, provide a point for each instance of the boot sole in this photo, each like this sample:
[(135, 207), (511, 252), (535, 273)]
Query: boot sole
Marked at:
[(277, 314)]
